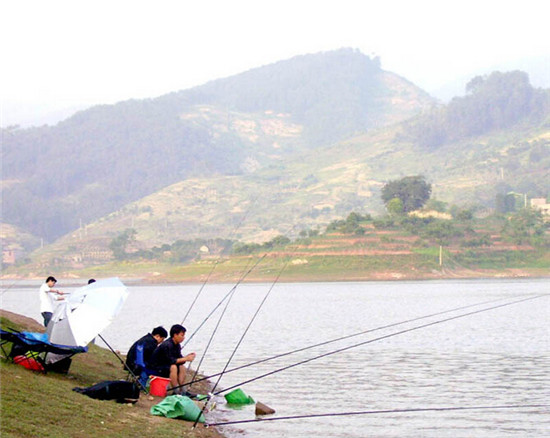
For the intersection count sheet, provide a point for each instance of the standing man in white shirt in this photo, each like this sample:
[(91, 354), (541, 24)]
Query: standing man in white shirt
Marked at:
[(46, 294)]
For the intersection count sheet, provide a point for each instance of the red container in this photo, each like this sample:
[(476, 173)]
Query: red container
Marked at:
[(158, 385), (28, 362)]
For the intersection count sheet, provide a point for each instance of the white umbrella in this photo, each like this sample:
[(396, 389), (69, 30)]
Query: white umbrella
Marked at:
[(87, 312)]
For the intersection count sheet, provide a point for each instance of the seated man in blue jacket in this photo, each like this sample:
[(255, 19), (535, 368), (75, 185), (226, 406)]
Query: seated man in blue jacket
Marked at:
[(148, 343), (167, 360)]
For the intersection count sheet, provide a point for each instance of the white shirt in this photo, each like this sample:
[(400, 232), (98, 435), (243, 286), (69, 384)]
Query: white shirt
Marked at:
[(46, 299)]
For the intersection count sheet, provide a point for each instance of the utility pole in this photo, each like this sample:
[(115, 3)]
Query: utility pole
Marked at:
[(440, 255)]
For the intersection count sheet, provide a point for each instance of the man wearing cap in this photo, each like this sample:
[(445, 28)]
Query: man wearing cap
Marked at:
[(46, 294)]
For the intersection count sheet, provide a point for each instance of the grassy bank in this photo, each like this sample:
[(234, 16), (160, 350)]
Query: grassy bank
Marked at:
[(411, 264), (36, 404), (371, 251)]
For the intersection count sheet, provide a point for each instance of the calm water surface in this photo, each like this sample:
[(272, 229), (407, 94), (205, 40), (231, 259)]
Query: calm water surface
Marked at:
[(497, 357)]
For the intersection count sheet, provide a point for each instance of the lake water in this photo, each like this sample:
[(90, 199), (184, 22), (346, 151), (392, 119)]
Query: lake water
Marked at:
[(496, 357)]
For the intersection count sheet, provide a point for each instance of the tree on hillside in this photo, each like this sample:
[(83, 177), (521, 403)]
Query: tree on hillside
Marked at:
[(413, 191), (527, 226), (395, 206), (119, 244), (496, 101)]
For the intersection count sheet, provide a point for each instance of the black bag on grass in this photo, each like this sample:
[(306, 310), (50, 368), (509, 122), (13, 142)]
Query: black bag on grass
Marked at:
[(119, 390)]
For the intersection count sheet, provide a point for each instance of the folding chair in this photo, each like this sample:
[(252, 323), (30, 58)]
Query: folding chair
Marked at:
[(140, 362), (31, 350)]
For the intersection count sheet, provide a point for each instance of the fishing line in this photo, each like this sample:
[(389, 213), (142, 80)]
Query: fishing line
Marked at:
[(376, 339), (242, 338), (218, 260), (384, 411), (277, 356)]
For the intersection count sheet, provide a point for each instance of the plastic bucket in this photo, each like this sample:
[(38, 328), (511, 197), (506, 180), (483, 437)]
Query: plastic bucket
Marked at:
[(157, 386)]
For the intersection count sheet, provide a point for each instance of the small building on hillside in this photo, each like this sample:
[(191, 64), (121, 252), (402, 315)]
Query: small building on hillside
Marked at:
[(542, 205), (8, 256)]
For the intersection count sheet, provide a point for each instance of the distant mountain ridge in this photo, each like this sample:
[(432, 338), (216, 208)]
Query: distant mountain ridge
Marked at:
[(332, 94), (102, 158)]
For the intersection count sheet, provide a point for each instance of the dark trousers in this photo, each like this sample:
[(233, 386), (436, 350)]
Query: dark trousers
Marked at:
[(47, 316)]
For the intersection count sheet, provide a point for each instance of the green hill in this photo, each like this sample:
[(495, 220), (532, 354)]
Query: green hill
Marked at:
[(175, 169), (101, 159), (310, 192)]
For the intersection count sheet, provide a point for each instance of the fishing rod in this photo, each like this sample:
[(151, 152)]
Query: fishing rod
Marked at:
[(238, 344), (385, 411), (230, 296), (10, 286), (136, 379), (199, 292), (376, 339), (217, 261), (210, 340), (288, 353), (241, 339), (223, 299)]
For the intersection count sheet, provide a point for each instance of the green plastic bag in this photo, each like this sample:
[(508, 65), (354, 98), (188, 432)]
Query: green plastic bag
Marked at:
[(178, 406), (238, 397)]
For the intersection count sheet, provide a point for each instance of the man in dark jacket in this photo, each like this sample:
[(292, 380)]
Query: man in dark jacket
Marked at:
[(167, 360), (148, 343)]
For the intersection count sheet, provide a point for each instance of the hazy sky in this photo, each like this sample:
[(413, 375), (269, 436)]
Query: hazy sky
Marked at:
[(63, 53)]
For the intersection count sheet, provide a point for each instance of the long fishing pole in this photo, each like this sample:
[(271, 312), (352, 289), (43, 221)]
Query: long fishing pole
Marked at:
[(223, 299), (10, 286), (193, 379), (242, 338), (210, 340), (376, 339), (384, 411), (123, 363), (230, 297), (199, 292), (217, 261), (299, 350)]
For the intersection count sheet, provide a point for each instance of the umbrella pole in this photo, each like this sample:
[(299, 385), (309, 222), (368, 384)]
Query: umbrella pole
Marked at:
[(123, 363)]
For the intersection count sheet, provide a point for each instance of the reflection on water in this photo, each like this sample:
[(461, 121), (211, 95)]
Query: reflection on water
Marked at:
[(498, 357)]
